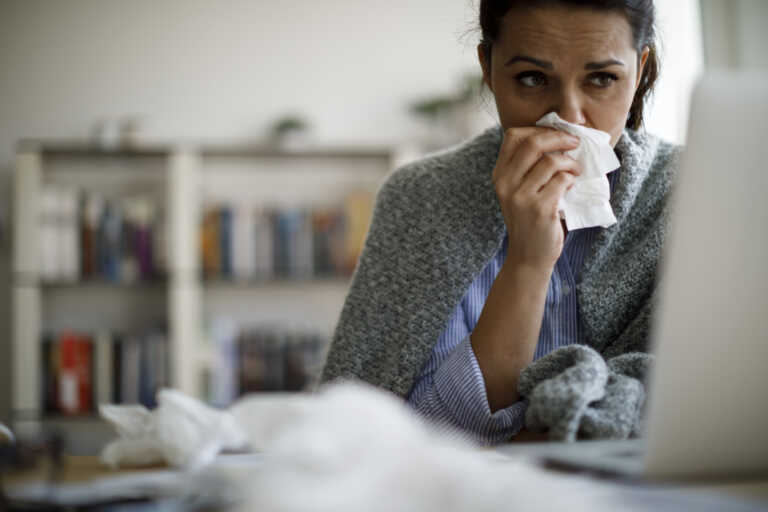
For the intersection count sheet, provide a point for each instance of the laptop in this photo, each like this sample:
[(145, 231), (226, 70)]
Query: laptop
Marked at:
[(707, 411)]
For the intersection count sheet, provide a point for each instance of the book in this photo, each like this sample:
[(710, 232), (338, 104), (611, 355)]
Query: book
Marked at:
[(329, 230), (243, 242), (279, 359), (50, 373), (130, 365), (210, 243), (104, 367), (49, 239), (225, 242), (223, 375), (359, 209), (91, 211), (68, 230), (264, 243), (74, 375), (110, 242)]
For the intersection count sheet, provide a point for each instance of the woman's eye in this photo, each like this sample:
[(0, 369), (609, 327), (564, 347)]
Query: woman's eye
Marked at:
[(531, 78), (602, 79)]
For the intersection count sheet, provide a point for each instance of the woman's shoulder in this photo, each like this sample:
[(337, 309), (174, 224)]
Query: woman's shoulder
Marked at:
[(457, 165), (644, 151)]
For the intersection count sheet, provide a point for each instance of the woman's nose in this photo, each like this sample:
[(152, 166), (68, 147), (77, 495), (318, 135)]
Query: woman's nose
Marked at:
[(570, 108)]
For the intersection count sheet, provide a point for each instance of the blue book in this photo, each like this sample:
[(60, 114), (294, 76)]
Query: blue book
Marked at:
[(225, 241)]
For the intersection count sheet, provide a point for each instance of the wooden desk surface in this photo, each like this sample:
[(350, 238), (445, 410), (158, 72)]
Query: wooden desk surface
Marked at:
[(74, 469), (83, 469)]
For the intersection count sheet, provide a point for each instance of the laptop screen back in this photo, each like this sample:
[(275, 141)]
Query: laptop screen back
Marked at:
[(708, 406)]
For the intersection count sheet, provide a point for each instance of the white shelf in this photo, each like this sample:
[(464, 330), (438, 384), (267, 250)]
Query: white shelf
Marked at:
[(184, 178)]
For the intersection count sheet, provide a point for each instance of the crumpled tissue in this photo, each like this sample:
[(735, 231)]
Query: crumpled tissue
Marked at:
[(587, 204), (181, 432)]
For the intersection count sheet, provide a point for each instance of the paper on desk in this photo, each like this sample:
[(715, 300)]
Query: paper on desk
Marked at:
[(587, 204), (181, 432)]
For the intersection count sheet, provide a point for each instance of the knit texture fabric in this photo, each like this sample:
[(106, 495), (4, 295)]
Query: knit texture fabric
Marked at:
[(573, 393), (436, 224)]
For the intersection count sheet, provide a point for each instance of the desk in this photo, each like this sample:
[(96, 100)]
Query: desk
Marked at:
[(84, 481), (74, 469), (89, 471), (750, 490)]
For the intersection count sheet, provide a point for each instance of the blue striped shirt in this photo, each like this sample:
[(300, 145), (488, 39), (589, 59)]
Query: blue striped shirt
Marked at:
[(450, 388)]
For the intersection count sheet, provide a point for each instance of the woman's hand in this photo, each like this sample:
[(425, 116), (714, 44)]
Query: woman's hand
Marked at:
[(530, 177)]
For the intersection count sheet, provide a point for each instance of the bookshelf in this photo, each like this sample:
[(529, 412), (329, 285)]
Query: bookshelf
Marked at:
[(183, 181)]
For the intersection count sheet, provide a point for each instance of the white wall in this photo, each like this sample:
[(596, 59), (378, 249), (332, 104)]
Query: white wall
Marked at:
[(735, 33), (682, 61), (222, 69)]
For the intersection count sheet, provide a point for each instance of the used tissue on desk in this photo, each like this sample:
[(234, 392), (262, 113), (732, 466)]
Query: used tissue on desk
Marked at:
[(181, 432), (587, 204)]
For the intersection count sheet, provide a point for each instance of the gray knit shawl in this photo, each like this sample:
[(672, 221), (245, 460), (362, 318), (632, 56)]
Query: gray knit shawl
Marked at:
[(437, 223)]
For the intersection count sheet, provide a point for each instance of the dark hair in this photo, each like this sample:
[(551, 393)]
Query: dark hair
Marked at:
[(640, 14)]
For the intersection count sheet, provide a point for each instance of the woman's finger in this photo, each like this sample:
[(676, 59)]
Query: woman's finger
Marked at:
[(556, 188), (545, 169), (529, 150)]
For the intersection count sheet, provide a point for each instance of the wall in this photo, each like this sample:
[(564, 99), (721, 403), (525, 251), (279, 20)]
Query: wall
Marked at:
[(735, 33)]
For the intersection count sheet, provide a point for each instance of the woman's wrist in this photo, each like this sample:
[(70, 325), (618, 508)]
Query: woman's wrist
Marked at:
[(526, 275)]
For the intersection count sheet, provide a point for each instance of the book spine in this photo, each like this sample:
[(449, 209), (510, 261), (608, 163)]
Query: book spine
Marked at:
[(67, 382), (243, 243), (85, 368), (104, 367), (265, 245), (225, 241), (130, 368), (69, 250)]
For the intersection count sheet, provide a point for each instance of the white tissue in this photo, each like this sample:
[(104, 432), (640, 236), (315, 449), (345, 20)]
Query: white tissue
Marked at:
[(354, 447), (587, 204), (348, 448), (181, 431)]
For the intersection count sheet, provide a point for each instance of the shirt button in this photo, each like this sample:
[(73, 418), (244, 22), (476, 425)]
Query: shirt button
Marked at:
[(566, 289)]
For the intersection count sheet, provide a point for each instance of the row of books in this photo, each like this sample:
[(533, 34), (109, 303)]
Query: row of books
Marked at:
[(84, 235), (245, 243), (266, 358), (82, 370)]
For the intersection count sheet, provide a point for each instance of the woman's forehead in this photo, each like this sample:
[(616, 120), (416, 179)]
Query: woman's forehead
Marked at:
[(560, 32)]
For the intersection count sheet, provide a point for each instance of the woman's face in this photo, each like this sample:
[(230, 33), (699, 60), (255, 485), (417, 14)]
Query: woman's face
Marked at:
[(579, 63)]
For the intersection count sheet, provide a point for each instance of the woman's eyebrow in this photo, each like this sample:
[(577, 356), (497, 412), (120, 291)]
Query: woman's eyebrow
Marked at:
[(548, 65), (541, 63), (602, 64)]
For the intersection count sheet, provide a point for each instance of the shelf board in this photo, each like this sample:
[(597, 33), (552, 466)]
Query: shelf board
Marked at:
[(70, 418), (101, 284), (81, 148), (246, 151), (277, 282), (84, 148)]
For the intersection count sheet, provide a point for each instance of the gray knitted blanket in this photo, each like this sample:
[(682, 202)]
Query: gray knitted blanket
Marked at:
[(573, 393), (436, 224)]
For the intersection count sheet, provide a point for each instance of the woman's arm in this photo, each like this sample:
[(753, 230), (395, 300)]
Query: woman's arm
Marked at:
[(505, 337), (530, 177), (450, 388)]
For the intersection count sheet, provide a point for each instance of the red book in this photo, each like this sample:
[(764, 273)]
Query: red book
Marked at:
[(74, 386)]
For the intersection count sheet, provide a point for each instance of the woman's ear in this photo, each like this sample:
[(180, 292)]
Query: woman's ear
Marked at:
[(641, 64), (485, 66)]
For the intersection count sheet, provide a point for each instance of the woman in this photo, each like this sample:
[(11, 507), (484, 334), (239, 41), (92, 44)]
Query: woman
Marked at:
[(468, 273)]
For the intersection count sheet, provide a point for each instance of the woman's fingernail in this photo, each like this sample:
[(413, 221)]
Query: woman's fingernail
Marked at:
[(573, 139)]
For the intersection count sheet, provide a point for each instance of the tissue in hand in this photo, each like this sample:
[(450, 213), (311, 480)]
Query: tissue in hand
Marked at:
[(587, 204)]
